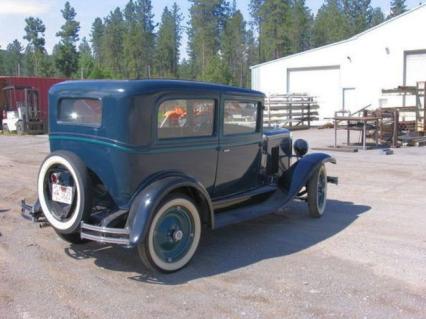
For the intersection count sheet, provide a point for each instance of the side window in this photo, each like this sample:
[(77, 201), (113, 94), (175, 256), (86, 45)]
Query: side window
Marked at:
[(240, 117), (80, 111), (185, 118)]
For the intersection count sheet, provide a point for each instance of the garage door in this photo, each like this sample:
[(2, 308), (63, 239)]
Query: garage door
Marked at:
[(322, 82), (415, 70)]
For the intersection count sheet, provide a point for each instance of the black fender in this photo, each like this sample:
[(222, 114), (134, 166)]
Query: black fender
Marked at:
[(148, 198), (298, 175)]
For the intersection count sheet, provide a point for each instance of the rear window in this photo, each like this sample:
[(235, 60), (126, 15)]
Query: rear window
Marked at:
[(185, 118), (80, 111)]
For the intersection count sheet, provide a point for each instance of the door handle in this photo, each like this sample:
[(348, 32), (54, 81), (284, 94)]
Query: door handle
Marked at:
[(226, 150)]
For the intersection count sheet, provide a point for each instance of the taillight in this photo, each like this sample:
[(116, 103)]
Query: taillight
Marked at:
[(4, 114), (54, 178)]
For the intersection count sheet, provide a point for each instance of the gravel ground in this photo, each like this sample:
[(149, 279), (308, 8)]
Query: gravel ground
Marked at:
[(366, 258)]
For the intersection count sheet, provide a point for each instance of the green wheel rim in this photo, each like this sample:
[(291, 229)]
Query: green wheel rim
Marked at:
[(173, 234)]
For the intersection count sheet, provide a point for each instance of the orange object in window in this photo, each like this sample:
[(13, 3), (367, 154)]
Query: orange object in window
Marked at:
[(175, 114)]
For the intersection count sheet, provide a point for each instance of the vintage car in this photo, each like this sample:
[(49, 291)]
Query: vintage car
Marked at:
[(148, 163)]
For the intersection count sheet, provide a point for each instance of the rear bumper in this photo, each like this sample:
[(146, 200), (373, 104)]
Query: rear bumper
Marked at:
[(119, 236)]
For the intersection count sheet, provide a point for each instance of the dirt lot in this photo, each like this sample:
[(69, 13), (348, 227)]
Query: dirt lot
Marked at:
[(366, 258)]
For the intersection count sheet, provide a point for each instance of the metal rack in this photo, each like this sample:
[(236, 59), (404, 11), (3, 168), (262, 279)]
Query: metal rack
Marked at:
[(417, 112), (290, 110)]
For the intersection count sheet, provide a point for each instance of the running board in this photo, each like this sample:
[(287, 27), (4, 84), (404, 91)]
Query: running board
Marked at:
[(240, 214), (277, 200)]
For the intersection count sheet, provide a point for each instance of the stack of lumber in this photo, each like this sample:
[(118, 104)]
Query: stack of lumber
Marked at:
[(290, 110)]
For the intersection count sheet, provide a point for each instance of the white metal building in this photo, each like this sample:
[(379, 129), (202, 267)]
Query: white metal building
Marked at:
[(352, 73)]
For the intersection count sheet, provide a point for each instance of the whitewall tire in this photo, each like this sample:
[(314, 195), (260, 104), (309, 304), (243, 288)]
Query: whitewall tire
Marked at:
[(317, 192), (81, 201), (173, 235)]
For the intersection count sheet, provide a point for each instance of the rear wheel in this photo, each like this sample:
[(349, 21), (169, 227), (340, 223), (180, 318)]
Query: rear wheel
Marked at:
[(173, 235), (64, 192), (317, 192)]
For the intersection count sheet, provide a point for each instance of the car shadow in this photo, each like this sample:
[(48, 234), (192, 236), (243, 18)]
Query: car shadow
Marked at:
[(283, 233)]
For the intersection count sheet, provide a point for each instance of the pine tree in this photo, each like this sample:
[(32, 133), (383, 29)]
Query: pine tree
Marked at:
[(254, 8), (301, 26), (177, 36), (207, 19), (217, 71), (112, 44), (168, 42), (35, 51), (252, 55), (377, 17), (276, 29), (2, 62), (14, 58), (147, 42), (397, 7), (233, 47), (185, 71), (131, 37), (330, 24), (97, 33), (139, 38), (358, 14), (47, 66), (66, 57), (85, 61)]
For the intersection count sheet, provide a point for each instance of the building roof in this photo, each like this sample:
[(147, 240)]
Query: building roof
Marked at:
[(355, 37)]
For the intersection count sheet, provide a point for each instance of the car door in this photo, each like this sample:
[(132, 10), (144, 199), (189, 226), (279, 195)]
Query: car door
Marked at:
[(187, 137), (239, 146)]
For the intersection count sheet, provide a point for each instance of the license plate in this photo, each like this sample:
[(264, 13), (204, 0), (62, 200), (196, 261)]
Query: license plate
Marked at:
[(62, 194)]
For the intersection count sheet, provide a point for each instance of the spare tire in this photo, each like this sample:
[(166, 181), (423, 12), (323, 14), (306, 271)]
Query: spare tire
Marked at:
[(64, 191)]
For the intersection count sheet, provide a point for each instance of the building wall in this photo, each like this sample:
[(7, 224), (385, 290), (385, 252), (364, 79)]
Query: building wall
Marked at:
[(368, 62)]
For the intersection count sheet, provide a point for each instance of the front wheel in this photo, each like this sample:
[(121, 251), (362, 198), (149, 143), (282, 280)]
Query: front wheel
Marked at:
[(173, 235), (317, 192)]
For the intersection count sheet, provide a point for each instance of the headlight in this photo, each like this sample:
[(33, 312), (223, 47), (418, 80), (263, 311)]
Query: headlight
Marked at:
[(300, 147)]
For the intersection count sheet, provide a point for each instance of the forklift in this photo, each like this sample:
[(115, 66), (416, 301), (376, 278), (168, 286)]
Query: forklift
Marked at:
[(21, 111)]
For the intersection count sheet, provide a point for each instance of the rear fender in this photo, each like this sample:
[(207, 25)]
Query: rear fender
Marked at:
[(147, 200), (298, 175)]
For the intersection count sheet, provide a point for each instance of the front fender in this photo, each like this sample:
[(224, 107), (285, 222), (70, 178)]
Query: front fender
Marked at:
[(298, 175), (147, 200)]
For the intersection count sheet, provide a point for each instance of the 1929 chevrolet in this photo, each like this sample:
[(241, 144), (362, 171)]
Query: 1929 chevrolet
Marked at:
[(148, 163)]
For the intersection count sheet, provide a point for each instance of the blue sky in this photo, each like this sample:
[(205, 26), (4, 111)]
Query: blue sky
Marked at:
[(13, 13)]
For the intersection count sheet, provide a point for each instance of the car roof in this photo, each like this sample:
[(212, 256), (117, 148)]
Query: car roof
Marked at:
[(137, 87)]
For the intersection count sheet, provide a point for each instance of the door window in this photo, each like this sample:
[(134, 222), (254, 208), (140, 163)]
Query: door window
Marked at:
[(240, 117), (185, 118)]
